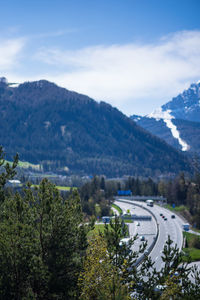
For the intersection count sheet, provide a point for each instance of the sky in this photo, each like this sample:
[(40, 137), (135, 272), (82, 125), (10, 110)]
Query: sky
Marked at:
[(134, 54)]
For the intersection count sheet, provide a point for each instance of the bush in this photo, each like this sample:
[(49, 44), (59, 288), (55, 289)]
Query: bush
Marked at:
[(195, 242)]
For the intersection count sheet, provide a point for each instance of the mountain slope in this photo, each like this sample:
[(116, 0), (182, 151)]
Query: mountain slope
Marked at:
[(186, 106), (178, 121), (63, 129)]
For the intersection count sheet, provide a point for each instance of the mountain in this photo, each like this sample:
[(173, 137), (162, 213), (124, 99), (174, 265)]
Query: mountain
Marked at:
[(186, 106), (64, 130), (178, 121)]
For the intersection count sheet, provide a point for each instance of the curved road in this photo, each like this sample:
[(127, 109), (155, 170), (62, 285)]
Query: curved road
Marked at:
[(172, 227)]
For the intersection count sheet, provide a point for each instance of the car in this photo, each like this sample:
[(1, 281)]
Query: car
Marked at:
[(173, 216), (142, 238), (161, 215), (160, 288), (138, 223), (165, 219)]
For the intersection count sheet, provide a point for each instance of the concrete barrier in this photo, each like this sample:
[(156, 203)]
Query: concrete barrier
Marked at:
[(149, 249)]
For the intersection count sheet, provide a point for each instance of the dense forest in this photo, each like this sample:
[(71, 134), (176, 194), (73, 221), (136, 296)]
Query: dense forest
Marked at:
[(46, 253), (66, 132), (97, 194), (181, 191)]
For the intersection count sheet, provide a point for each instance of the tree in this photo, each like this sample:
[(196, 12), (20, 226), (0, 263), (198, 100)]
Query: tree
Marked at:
[(121, 254), (42, 243), (99, 278), (8, 173)]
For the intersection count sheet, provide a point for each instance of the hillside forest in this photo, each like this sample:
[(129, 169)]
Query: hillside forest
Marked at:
[(46, 252), (97, 195)]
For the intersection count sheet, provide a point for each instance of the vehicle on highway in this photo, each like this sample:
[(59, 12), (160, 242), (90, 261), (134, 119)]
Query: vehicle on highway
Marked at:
[(124, 244), (161, 215), (149, 202), (138, 223), (165, 219), (173, 216), (142, 238), (159, 288), (124, 241), (186, 227)]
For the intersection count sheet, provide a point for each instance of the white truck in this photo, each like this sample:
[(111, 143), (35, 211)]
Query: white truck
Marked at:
[(149, 202)]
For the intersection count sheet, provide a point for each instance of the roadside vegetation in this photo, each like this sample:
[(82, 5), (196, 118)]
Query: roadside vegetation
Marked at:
[(60, 188), (45, 252), (100, 229), (192, 246), (27, 165), (117, 208), (179, 209)]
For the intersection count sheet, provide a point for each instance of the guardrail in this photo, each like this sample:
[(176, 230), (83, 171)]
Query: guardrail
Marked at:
[(143, 198), (149, 249)]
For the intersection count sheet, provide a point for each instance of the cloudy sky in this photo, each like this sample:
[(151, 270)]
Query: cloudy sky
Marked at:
[(133, 54)]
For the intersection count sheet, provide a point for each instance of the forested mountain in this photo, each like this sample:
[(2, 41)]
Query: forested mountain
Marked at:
[(178, 121), (60, 129)]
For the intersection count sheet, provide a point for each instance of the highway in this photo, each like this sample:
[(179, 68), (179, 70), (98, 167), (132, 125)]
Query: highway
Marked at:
[(146, 228), (172, 227)]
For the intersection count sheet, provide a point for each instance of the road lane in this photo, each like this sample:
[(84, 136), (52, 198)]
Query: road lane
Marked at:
[(171, 227), (148, 229)]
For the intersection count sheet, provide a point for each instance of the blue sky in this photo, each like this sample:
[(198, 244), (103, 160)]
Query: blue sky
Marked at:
[(133, 54)]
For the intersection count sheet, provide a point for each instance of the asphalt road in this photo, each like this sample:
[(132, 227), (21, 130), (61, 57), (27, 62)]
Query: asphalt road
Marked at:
[(148, 229), (172, 227)]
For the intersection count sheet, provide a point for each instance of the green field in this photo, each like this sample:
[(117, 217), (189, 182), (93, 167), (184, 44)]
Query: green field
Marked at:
[(100, 228), (97, 228), (65, 188), (192, 246), (177, 208), (26, 165), (60, 188), (127, 219), (117, 208), (193, 253)]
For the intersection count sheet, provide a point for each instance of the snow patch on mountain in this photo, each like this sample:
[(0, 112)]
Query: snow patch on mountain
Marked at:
[(166, 116)]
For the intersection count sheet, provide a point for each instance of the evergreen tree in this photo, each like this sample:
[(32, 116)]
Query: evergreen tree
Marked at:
[(42, 242)]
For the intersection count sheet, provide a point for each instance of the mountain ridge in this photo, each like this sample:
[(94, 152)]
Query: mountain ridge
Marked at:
[(177, 120), (61, 129)]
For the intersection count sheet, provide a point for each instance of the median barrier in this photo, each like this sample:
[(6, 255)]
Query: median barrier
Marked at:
[(149, 249)]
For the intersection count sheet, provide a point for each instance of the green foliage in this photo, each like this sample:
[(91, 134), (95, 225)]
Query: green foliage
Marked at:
[(97, 138), (9, 171), (99, 278), (192, 246), (193, 253), (95, 201), (42, 243), (181, 191), (193, 240), (117, 208), (97, 228)]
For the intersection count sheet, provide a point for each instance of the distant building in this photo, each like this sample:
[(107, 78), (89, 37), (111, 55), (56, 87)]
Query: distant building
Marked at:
[(13, 183)]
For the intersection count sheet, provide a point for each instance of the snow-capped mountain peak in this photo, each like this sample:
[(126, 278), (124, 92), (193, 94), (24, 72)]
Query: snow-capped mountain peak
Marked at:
[(159, 113), (178, 121), (166, 116)]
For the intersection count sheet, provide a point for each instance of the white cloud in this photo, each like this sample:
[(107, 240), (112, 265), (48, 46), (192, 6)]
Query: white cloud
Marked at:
[(10, 51), (125, 75), (136, 78)]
